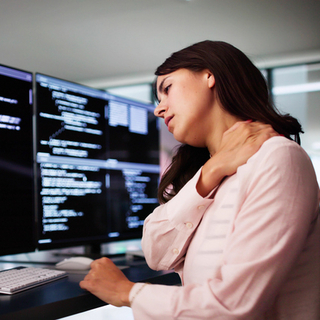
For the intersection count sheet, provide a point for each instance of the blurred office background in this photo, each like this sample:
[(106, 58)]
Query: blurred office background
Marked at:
[(116, 45)]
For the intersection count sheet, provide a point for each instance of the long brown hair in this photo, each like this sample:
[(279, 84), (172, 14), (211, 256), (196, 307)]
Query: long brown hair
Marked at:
[(242, 91)]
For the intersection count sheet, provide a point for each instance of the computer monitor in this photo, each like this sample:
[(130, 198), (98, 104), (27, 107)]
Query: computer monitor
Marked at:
[(16, 161), (98, 164)]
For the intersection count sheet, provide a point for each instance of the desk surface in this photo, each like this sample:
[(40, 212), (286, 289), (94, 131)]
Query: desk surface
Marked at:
[(64, 297)]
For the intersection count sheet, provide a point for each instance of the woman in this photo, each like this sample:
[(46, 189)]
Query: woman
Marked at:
[(239, 214)]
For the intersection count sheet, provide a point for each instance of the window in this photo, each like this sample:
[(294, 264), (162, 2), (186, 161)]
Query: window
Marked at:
[(296, 90)]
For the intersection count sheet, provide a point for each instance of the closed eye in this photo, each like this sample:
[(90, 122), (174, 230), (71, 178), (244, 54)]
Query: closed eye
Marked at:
[(166, 89)]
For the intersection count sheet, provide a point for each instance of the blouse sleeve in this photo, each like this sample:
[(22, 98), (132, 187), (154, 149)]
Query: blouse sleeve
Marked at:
[(168, 230), (280, 204)]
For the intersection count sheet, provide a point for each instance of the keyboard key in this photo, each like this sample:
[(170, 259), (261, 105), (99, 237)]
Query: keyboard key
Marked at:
[(23, 278)]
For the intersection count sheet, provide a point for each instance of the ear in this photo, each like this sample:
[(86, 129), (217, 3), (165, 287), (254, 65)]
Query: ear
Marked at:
[(210, 79)]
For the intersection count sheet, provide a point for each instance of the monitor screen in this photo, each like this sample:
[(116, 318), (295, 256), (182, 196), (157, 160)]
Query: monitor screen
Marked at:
[(98, 164), (16, 162)]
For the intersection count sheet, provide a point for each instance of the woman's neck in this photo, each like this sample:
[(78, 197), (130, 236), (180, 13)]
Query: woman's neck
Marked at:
[(224, 122)]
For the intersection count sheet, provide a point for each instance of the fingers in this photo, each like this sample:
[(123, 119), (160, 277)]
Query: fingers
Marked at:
[(252, 127), (243, 130), (100, 267), (237, 125), (103, 270), (239, 143), (99, 277), (95, 272), (100, 263), (106, 281)]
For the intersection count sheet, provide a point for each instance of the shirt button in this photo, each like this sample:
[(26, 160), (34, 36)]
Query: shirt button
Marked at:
[(200, 207), (189, 225), (175, 251)]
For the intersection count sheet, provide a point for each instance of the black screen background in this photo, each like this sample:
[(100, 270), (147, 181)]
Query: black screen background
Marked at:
[(16, 170)]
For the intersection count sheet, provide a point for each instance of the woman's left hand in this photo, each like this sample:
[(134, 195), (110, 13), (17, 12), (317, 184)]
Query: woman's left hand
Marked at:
[(106, 281)]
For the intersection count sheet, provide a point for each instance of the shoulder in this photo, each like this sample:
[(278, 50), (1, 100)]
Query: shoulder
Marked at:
[(280, 151), (280, 162), (281, 143), (281, 175)]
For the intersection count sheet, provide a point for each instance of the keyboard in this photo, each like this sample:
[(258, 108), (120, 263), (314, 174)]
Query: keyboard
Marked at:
[(22, 278)]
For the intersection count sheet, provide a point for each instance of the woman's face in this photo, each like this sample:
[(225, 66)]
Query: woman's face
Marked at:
[(187, 105)]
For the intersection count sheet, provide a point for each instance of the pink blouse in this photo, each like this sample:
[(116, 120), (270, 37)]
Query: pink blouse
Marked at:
[(250, 250)]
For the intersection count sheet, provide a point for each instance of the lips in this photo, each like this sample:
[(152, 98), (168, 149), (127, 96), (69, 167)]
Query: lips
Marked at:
[(167, 120)]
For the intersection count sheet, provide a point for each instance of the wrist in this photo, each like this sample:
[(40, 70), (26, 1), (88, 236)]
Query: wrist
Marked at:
[(211, 175), (125, 293), (137, 291)]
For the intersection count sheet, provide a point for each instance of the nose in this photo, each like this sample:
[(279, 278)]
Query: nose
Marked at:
[(160, 110)]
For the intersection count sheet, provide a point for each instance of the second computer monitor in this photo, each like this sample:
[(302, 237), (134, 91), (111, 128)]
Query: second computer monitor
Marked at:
[(98, 164)]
